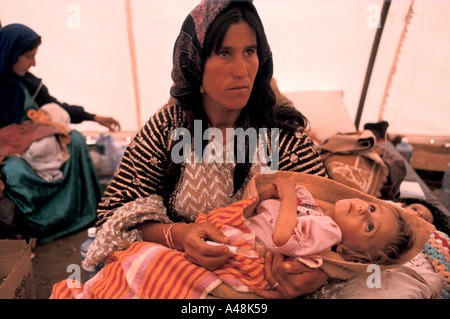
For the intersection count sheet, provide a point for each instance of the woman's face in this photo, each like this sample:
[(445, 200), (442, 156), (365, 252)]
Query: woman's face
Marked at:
[(25, 62), (229, 75)]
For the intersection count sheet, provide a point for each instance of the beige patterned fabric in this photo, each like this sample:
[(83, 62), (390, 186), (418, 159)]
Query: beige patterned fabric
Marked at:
[(205, 187)]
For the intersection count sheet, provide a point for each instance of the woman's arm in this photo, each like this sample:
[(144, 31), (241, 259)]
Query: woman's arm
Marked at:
[(77, 113), (190, 239), (143, 168)]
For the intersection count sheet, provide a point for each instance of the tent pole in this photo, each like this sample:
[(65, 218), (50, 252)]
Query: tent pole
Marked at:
[(373, 55), (133, 61)]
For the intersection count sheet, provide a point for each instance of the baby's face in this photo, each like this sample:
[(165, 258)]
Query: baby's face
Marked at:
[(44, 116), (421, 211), (364, 226)]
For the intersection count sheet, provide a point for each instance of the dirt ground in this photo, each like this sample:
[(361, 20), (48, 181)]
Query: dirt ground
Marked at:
[(51, 260)]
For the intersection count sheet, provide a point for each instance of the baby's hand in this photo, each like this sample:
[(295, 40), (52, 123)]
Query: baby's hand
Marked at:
[(283, 187)]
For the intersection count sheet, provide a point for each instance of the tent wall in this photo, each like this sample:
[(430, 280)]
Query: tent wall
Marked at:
[(325, 45), (418, 98)]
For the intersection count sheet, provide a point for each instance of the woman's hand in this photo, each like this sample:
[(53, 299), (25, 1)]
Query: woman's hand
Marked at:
[(190, 239), (290, 279), (108, 122)]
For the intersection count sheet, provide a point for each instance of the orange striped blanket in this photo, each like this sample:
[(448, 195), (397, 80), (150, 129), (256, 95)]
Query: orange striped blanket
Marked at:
[(148, 270)]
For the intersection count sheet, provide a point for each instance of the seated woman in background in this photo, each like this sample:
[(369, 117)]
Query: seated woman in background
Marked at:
[(34, 199)]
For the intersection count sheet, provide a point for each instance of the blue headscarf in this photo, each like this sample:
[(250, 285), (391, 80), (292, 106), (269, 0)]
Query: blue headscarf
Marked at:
[(14, 39)]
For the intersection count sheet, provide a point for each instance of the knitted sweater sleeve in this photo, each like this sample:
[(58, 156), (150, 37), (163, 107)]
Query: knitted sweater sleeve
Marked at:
[(298, 153), (135, 193), (143, 168)]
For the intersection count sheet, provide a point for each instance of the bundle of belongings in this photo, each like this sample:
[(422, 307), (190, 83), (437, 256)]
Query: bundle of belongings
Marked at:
[(355, 159), (149, 270)]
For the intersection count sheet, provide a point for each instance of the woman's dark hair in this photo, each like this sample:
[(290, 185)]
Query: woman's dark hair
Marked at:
[(30, 47), (261, 109), (33, 45)]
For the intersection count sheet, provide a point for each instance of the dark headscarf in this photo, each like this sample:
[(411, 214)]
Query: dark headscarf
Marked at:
[(14, 40), (189, 57), (188, 53)]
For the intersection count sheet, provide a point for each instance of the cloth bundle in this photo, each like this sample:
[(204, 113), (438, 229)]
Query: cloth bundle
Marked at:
[(16, 138), (350, 159), (149, 270), (42, 142)]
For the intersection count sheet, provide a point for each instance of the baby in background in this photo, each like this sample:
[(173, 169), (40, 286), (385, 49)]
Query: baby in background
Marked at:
[(420, 210), (46, 155), (288, 220)]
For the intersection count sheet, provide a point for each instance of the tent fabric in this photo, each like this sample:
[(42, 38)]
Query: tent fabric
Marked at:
[(317, 46)]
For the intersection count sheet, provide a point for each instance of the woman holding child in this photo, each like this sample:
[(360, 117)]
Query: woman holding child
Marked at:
[(222, 73), (23, 97)]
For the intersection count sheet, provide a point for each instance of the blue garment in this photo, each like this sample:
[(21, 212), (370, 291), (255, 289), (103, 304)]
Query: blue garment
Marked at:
[(14, 39)]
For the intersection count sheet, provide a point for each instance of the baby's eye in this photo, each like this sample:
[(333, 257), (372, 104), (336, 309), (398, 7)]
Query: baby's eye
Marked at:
[(371, 209), (369, 227)]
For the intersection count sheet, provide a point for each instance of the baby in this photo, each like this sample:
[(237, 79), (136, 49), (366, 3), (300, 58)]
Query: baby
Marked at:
[(288, 220), (420, 210), (46, 156)]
